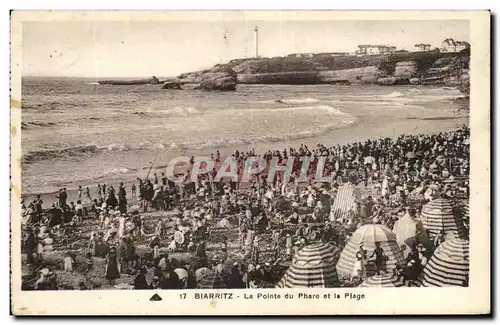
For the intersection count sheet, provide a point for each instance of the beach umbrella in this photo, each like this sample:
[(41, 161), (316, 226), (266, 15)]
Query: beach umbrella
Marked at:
[(181, 273), (212, 281), (387, 280), (179, 237), (312, 266), (448, 266), (410, 231), (201, 273), (410, 155), (368, 235), (438, 215)]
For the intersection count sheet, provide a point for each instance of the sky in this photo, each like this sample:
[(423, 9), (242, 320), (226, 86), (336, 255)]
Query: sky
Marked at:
[(168, 48)]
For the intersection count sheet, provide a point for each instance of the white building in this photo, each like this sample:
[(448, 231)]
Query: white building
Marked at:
[(375, 49), (423, 47), (301, 55), (451, 46)]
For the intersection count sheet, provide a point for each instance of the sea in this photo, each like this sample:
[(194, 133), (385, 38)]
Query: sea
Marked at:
[(77, 132)]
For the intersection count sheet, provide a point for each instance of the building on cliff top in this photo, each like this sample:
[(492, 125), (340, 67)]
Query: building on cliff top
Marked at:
[(311, 55), (451, 46), (375, 50), (423, 47), (301, 55)]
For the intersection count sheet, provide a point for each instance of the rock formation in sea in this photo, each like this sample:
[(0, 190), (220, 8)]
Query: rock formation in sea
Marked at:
[(173, 84), (150, 81), (217, 78)]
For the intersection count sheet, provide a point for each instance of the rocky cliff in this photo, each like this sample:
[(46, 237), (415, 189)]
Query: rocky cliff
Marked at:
[(398, 68), (450, 71), (217, 78)]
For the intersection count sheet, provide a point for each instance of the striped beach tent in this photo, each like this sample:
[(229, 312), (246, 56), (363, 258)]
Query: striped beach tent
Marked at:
[(462, 208), (368, 235), (448, 266), (212, 281), (312, 266), (345, 200), (410, 231), (387, 280), (438, 215)]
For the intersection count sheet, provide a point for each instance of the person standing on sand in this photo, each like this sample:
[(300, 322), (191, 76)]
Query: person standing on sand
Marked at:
[(30, 245), (87, 194), (99, 193), (121, 226), (112, 272), (133, 189), (103, 189), (379, 257), (164, 179), (122, 199), (80, 192)]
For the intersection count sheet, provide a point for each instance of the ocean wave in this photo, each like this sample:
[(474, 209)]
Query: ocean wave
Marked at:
[(45, 154), (178, 111), (340, 120), (329, 109), (306, 100), (394, 94), (29, 125), (92, 83), (82, 152), (52, 106), (436, 118)]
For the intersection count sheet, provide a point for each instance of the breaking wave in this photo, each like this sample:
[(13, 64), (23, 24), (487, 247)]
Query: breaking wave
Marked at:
[(33, 124), (394, 94), (176, 111), (29, 125), (307, 100)]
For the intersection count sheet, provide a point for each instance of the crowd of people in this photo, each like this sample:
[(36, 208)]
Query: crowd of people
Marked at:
[(248, 233)]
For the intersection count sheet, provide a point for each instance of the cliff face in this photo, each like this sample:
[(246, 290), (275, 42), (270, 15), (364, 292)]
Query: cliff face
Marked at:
[(398, 68), (450, 71), (219, 77)]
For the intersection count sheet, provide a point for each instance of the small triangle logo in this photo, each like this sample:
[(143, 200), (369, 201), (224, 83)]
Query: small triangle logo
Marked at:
[(155, 297)]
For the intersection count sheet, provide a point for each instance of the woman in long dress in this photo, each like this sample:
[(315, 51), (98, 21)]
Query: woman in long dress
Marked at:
[(121, 226), (112, 272)]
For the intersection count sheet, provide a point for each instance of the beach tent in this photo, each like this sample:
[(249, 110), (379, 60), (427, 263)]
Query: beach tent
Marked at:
[(388, 280), (410, 231), (212, 281), (345, 201), (368, 235), (448, 266), (312, 266), (438, 215)]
